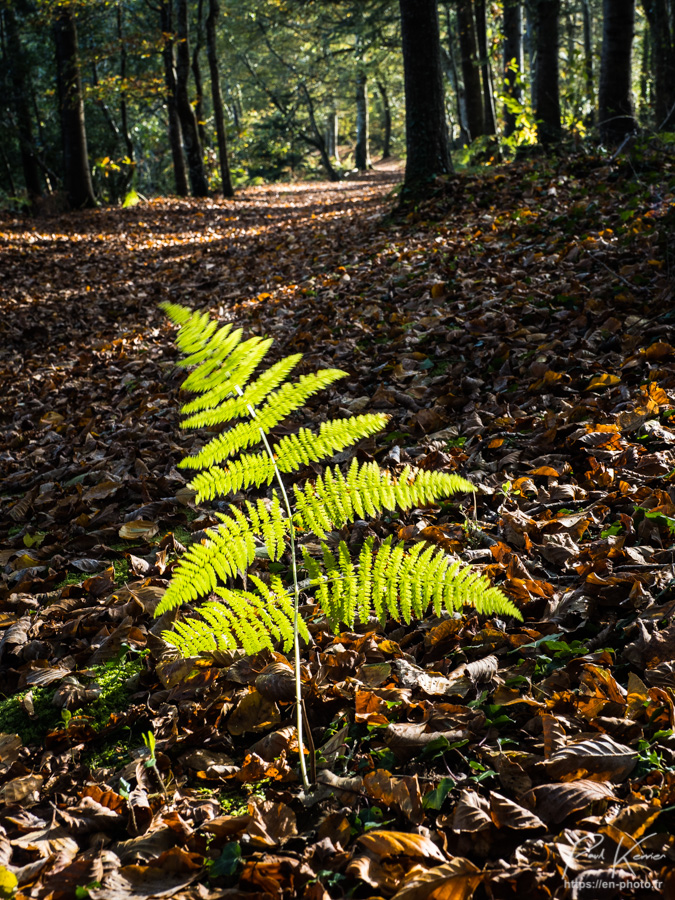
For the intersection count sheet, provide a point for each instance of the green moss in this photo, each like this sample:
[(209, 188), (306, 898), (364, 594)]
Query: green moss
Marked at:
[(111, 677), (122, 571)]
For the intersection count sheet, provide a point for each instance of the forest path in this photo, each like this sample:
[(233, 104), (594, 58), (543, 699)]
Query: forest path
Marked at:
[(517, 328)]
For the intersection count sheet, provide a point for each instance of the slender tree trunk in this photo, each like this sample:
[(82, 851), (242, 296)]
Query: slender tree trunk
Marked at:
[(21, 104), (386, 119), (175, 135), (428, 148), (197, 75), (468, 46), (530, 46), (188, 120), (77, 175), (317, 140), (124, 110), (588, 60), (448, 57), (217, 99), (615, 107), (547, 95), (662, 27), (333, 135), (485, 71), (362, 151), (513, 57)]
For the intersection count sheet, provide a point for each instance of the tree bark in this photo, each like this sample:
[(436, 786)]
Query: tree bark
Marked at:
[(448, 58), (468, 47), (124, 111), (362, 151), (386, 119), (197, 75), (332, 135), (175, 135), (547, 96), (513, 56), (21, 104), (217, 99), (77, 175), (588, 60), (188, 120), (615, 107), (428, 149), (662, 29), (489, 120)]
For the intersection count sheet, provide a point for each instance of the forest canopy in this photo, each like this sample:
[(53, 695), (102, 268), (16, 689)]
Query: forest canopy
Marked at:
[(106, 100)]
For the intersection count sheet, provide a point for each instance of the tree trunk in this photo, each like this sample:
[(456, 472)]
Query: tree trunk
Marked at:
[(197, 75), (333, 135), (188, 120), (362, 151), (547, 96), (217, 99), (588, 60), (468, 47), (530, 45), (485, 70), (615, 107), (428, 149), (21, 104), (662, 28), (513, 58), (448, 58), (317, 140), (77, 175), (386, 119), (175, 135), (124, 112)]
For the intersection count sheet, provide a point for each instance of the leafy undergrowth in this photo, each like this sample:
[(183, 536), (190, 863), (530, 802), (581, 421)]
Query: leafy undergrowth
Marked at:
[(518, 328)]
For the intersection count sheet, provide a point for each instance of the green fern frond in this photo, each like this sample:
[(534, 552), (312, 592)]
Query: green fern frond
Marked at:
[(253, 621), (280, 404), (234, 373), (333, 500), (397, 583), (237, 407), (227, 549), (250, 469), (297, 450)]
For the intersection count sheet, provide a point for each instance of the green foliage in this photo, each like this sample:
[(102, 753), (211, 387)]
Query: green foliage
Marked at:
[(389, 580), (110, 677)]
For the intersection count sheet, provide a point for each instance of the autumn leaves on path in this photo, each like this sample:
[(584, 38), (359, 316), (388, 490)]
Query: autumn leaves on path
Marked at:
[(516, 328)]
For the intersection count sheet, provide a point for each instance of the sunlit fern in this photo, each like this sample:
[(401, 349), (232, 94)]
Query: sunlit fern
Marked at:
[(388, 581)]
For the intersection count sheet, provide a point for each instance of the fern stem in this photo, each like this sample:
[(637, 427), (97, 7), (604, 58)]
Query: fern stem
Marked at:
[(296, 604)]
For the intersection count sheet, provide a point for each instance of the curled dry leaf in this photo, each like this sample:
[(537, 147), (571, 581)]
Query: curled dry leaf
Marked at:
[(253, 713), (138, 530), (555, 802), (507, 814), (471, 814), (454, 880), (399, 843), (276, 682), (600, 759)]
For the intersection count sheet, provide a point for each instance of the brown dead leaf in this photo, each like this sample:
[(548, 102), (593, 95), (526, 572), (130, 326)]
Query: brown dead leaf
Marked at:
[(454, 880)]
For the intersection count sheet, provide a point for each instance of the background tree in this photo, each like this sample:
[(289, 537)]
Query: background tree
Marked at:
[(512, 54), (661, 17), (77, 174), (546, 84), (428, 150), (615, 113), (188, 119)]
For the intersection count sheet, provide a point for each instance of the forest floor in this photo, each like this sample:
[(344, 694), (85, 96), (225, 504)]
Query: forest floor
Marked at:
[(519, 328)]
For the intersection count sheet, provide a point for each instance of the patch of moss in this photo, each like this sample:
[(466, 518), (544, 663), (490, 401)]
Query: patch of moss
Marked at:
[(122, 571), (112, 678)]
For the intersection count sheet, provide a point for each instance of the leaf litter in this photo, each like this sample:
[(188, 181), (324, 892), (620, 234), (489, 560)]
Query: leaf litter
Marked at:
[(517, 328)]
